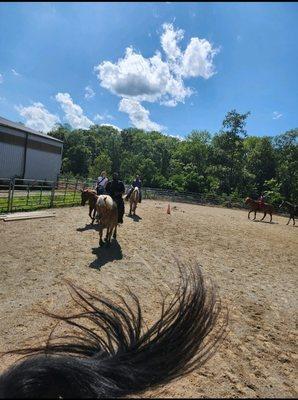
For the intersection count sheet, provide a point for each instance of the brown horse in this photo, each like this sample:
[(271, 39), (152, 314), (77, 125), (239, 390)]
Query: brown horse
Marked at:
[(91, 196), (257, 206), (134, 199), (292, 210), (107, 210)]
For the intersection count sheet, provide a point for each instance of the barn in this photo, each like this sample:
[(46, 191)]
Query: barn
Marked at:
[(28, 154)]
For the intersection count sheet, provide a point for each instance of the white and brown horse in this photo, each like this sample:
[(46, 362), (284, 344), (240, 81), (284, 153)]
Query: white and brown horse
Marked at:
[(107, 211), (133, 200)]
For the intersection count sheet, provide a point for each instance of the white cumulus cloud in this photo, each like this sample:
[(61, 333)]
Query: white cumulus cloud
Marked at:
[(169, 41), (138, 115), (73, 112), (197, 59), (276, 115), (160, 78), (113, 126), (38, 117), (89, 92)]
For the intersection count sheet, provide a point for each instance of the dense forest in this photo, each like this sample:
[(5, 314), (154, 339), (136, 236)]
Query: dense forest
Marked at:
[(229, 163)]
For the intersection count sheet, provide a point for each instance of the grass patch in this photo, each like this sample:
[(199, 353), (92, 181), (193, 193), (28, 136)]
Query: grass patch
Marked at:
[(37, 201)]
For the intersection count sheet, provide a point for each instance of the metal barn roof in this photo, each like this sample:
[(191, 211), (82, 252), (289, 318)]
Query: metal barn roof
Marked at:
[(20, 127)]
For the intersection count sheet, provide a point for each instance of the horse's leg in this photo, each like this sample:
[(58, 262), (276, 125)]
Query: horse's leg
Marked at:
[(265, 213), (293, 221), (100, 236), (289, 220), (108, 237), (255, 215), (270, 216), (130, 207), (248, 216), (115, 232), (93, 217), (90, 212), (107, 234)]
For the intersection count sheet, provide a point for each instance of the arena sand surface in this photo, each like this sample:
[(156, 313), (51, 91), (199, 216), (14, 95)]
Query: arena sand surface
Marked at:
[(253, 263)]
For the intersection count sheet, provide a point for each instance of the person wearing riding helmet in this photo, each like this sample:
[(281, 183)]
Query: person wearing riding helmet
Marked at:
[(261, 200), (101, 183), (116, 189), (136, 183)]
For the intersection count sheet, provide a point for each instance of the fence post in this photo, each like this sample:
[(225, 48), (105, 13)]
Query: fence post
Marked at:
[(27, 199), (53, 193), (11, 194), (66, 186), (75, 192), (40, 192)]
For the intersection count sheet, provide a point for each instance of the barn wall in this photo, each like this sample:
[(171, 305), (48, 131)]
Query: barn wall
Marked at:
[(43, 159), (11, 152), (11, 160), (42, 165)]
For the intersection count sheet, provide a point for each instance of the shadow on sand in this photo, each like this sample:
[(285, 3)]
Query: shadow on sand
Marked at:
[(135, 218), (88, 227), (264, 222), (106, 254)]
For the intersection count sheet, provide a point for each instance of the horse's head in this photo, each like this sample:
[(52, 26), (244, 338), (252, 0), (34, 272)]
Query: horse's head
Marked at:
[(247, 200), (136, 189), (84, 196)]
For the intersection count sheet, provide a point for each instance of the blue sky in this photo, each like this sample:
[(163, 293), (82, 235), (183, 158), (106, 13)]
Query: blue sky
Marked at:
[(187, 64)]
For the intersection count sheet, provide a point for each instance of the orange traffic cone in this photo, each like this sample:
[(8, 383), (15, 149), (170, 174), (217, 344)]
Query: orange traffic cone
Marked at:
[(169, 209)]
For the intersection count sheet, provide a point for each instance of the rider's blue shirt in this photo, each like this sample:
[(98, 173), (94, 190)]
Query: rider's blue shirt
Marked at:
[(137, 183)]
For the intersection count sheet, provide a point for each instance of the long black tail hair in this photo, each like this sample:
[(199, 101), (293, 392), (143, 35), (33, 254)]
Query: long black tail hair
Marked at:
[(111, 354)]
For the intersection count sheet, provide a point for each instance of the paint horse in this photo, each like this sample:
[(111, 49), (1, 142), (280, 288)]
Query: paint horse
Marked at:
[(133, 200), (107, 211)]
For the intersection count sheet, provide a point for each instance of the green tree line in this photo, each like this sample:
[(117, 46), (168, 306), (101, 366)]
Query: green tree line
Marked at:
[(229, 163)]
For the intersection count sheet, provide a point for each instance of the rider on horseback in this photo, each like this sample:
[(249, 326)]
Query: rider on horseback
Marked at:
[(136, 183), (261, 200), (101, 183), (116, 189)]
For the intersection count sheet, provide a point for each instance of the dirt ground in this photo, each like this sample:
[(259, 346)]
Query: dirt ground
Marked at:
[(253, 263)]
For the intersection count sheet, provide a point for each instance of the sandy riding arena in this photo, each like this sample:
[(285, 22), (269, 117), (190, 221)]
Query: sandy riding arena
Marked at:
[(254, 265)]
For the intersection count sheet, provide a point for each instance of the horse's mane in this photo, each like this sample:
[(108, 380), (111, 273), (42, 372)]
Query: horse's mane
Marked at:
[(113, 355), (89, 191)]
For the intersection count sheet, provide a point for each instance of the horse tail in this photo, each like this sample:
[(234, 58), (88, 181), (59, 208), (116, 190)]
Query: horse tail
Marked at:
[(124, 359)]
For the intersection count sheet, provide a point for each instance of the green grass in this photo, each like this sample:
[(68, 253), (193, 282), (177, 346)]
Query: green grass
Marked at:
[(33, 202)]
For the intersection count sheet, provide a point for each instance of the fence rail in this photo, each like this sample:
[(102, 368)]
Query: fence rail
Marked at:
[(28, 194)]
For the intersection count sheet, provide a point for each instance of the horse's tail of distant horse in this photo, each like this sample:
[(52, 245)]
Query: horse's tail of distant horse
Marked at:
[(123, 359)]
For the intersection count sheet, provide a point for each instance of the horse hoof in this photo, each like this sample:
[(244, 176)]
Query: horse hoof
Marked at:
[(101, 243)]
